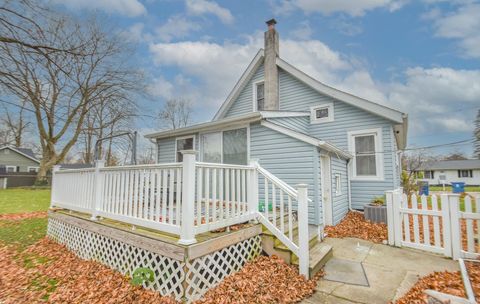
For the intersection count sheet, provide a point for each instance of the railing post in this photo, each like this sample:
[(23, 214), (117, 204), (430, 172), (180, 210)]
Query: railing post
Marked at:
[(53, 197), (253, 188), (453, 203), (187, 232), (390, 218), (97, 190), (446, 226), (303, 244)]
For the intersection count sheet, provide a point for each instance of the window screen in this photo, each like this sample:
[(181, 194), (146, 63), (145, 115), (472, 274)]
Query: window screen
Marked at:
[(365, 161), (235, 147)]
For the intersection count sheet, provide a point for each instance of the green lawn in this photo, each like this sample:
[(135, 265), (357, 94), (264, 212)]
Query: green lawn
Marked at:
[(22, 233), (24, 200), (448, 188)]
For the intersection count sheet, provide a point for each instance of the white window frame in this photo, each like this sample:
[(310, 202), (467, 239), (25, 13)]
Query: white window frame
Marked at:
[(254, 88), (14, 168), (221, 143), (180, 138), (313, 113), (338, 184), (377, 133), (33, 167)]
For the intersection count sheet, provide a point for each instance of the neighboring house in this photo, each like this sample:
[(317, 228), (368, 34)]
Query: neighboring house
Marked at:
[(344, 147), (13, 159), (448, 171)]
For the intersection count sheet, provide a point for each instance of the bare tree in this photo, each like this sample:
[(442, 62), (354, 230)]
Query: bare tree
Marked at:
[(455, 156), (15, 124), (414, 164), (62, 90), (176, 113)]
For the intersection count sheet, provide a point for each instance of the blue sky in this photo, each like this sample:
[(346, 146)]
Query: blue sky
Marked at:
[(422, 57)]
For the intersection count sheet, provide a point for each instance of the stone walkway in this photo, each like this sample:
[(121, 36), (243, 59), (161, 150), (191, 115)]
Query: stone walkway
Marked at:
[(390, 272)]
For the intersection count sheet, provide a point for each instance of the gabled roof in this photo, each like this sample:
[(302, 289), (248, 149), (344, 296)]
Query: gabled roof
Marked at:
[(28, 153), (465, 164), (369, 106)]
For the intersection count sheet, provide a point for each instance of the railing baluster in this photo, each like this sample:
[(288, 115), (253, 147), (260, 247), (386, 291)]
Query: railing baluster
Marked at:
[(207, 195), (274, 205), (141, 187), (164, 195), (227, 194), (244, 192), (153, 175), (221, 200), (158, 203), (214, 195), (290, 218), (469, 226), (178, 202), (234, 197), (171, 192), (199, 195), (282, 214), (239, 193), (266, 207)]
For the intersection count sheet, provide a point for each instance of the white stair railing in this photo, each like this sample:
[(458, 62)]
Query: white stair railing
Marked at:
[(283, 208)]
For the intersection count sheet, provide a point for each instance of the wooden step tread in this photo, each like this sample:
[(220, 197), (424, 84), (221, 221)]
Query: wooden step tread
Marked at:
[(312, 238), (319, 256)]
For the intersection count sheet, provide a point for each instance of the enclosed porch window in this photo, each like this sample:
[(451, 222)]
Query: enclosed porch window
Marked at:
[(228, 147)]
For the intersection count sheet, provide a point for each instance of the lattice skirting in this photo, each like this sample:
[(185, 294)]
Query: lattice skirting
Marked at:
[(185, 281)]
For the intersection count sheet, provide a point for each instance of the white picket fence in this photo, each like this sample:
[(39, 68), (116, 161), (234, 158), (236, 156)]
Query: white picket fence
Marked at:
[(188, 198), (437, 223)]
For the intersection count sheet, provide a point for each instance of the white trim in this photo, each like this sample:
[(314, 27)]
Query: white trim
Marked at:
[(184, 137), (308, 139), (367, 105), (15, 150), (246, 76), (338, 188), (32, 167), (326, 160), (208, 126), (254, 94), (313, 116), (14, 169), (377, 133)]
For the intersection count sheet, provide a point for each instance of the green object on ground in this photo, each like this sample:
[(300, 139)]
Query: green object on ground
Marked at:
[(24, 200), (142, 275), (261, 206)]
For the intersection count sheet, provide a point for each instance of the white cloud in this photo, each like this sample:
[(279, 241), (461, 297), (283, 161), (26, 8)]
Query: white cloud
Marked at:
[(130, 8), (160, 87), (462, 25), (431, 96), (303, 32), (201, 7), (353, 8), (176, 27), (136, 33)]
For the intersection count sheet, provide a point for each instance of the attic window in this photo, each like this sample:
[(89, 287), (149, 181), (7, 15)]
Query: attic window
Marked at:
[(321, 113), (259, 93)]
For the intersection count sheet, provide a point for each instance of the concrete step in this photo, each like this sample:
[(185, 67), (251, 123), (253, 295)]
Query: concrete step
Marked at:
[(319, 256)]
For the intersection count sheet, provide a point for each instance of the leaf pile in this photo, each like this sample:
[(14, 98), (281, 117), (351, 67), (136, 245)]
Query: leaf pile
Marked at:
[(23, 216), (355, 225), (56, 275), (265, 280), (446, 282)]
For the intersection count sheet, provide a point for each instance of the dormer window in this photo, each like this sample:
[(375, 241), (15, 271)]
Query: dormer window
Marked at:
[(259, 94), (321, 113)]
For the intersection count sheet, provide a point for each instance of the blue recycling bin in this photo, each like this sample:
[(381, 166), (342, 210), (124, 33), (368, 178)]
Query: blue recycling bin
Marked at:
[(458, 187), (423, 188)]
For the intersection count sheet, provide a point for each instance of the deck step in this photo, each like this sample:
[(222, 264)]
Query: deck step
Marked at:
[(312, 238), (319, 256)]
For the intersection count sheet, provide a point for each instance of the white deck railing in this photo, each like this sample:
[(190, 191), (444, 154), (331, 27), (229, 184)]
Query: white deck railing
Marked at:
[(188, 198)]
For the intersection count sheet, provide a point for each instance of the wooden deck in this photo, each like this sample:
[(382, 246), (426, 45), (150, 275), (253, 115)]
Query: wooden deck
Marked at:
[(157, 241)]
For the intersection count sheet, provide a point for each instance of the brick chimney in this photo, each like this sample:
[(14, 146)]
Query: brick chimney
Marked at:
[(271, 70)]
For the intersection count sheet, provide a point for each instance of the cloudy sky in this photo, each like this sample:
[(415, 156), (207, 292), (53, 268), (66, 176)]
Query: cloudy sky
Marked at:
[(422, 57)]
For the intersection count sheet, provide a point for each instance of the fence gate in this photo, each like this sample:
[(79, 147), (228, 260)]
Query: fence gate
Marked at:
[(445, 224)]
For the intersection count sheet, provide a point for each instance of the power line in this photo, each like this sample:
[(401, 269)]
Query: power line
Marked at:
[(456, 143)]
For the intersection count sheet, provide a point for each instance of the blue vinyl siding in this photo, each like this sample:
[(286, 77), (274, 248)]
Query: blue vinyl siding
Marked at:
[(287, 158), (244, 102), (296, 96), (300, 124), (340, 201)]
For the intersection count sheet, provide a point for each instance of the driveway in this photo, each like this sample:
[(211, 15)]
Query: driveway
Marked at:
[(390, 272)]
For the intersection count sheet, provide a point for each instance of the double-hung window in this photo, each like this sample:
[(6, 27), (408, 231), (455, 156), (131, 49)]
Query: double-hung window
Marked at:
[(465, 173), (228, 147), (428, 174), (368, 158)]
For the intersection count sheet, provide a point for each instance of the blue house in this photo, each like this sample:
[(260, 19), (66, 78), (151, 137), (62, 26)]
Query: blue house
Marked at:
[(345, 148)]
